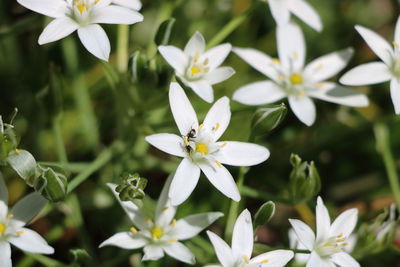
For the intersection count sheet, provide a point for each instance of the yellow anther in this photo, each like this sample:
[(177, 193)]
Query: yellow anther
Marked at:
[(196, 57), (345, 244), (340, 236), (218, 163), (164, 209), (147, 220), (202, 149), (396, 44), (246, 259), (133, 230), (173, 240), (201, 126), (264, 261), (2, 228), (20, 232), (96, 2), (217, 126), (276, 60), (81, 5), (195, 70), (157, 232), (17, 151), (224, 144), (10, 216), (173, 223), (296, 79)]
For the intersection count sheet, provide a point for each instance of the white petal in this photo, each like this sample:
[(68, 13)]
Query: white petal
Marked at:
[(379, 45), (95, 40), (185, 180), (101, 3), (306, 13), (175, 57), (116, 15), (395, 94), (195, 46), (345, 223), (219, 75), (183, 112), (165, 212), (279, 11), (3, 210), (242, 237), (169, 143), (152, 252), (133, 4), (241, 154), (328, 66), (218, 117), (192, 225), (323, 220), (258, 60), (203, 89), (3, 190), (397, 31), (220, 177), (134, 213), (125, 240), (315, 260), (223, 251), (304, 109), (259, 93), (216, 55), (334, 93), (304, 233), (57, 29), (344, 259), (180, 252), (370, 73), (28, 207), (51, 8), (5, 254), (276, 258), (31, 241), (291, 46)]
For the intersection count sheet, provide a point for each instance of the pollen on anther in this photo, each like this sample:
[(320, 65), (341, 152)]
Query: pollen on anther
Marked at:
[(133, 230), (173, 240), (20, 232), (17, 151), (164, 209), (264, 261), (218, 163), (173, 223)]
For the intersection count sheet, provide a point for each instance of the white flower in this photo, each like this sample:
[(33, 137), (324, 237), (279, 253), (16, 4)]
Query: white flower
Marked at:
[(327, 247), (281, 10), (164, 233), (197, 68), (291, 79), (239, 255), (12, 226), (200, 149), (378, 72), (83, 16)]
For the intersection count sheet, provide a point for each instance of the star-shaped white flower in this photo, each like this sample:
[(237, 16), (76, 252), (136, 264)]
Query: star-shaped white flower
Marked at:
[(291, 79), (378, 72), (327, 247), (200, 149), (85, 17), (239, 255), (12, 226), (197, 68), (281, 10), (163, 233)]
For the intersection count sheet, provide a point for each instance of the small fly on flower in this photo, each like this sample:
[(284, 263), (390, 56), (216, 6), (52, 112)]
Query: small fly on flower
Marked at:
[(186, 139)]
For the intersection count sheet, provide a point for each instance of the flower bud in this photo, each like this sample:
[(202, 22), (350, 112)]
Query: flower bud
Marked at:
[(52, 182), (267, 119), (132, 187)]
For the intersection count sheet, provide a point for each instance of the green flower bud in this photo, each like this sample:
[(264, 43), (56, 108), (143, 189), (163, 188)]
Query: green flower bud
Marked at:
[(267, 119), (52, 182), (264, 214), (132, 187), (24, 164)]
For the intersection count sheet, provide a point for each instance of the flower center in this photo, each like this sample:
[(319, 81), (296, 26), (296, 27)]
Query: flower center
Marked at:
[(157, 233), (81, 5), (332, 246), (296, 79), (197, 69), (202, 149)]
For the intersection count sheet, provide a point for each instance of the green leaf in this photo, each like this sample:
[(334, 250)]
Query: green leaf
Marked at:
[(24, 164), (264, 214), (164, 32)]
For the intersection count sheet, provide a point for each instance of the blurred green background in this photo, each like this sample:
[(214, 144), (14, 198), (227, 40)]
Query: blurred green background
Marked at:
[(100, 113)]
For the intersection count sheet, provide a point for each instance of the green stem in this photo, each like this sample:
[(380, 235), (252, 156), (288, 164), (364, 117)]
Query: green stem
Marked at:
[(61, 152), (234, 208), (122, 48), (46, 261), (104, 157), (382, 137), (258, 194), (228, 29)]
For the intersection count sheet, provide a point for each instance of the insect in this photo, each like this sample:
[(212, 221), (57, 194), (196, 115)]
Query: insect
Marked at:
[(190, 135)]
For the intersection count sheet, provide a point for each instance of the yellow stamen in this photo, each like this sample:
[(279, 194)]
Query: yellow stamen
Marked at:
[(17, 151), (157, 232), (264, 261), (246, 259), (195, 70), (345, 244), (218, 163), (217, 126), (133, 230), (20, 232), (164, 209), (396, 44), (296, 79), (276, 60), (96, 2), (224, 144), (173, 223), (201, 126), (147, 220), (173, 240), (340, 236), (202, 148), (2, 228)]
